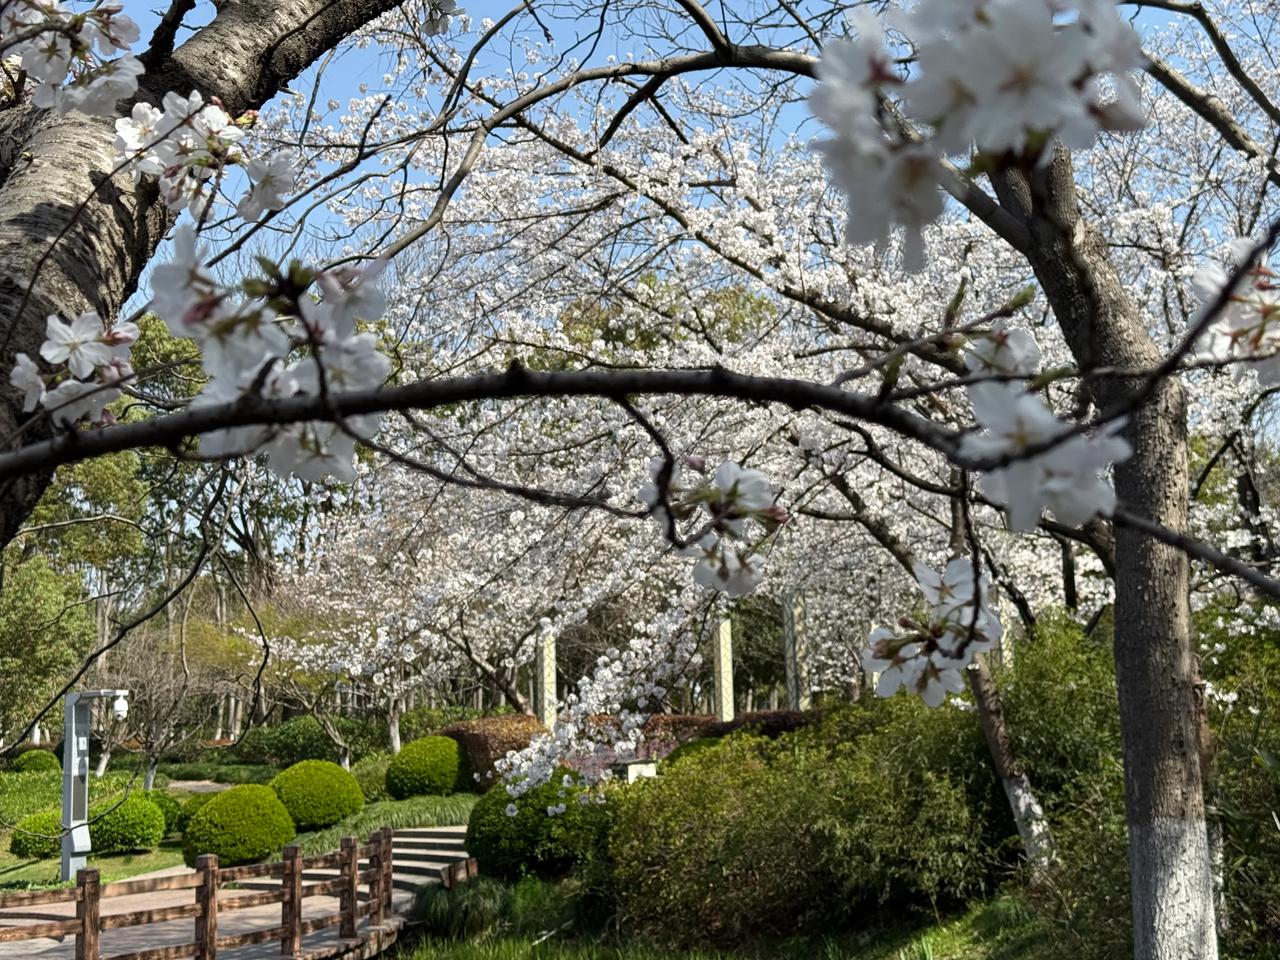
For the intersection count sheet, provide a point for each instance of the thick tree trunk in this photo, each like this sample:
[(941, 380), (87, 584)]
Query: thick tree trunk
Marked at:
[(73, 237), (104, 759), (149, 778), (1170, 876)]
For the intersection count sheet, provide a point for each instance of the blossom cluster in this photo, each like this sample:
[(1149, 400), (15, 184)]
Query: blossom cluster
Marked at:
[(721, 508), (1248, 326), (1068, 476), (66, 53), (248, 344), (1011, 76), (90, 360), (606, 713), (189, 144), (926, 656)]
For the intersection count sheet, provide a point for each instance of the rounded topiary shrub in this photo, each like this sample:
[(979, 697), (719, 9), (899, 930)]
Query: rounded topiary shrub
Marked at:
[(191, 806), (35, 760), (170, 807), (543, 832), (119, 826), (38, 836), (371, 774), (317, 793), (244, 824), (432, 765)]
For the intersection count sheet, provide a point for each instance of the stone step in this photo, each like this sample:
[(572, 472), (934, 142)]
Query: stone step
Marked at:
[(417, 855), (399, 881), (456, 842), (419, 833)]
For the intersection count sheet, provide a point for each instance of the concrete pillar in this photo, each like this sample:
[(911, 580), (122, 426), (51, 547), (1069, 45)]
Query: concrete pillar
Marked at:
[(544, 678), (795, 654), (723, 702)]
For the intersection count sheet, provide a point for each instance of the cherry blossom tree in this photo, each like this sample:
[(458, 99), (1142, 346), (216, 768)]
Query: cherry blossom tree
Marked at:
[(614, 215)]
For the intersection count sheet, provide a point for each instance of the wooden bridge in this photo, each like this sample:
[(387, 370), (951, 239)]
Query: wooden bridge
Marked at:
[(347, 904)]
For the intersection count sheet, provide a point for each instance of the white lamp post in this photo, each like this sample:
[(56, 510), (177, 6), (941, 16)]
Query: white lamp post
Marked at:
[(75, 772)]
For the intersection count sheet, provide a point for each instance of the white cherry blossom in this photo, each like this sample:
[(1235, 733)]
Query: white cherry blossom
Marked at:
[(78, 344), (27, 378)]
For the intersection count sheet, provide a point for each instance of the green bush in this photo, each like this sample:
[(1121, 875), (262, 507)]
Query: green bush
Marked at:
[(244, 824), (424, 721), (22, 794), (365, 735), (229, 773), (302, 738), (169, 806), (532, 840), (883, 806), (283, 744), (371, 774), (431, 765), (317, 793), (121, 826), (191, 806), (692, 748), (721, 846), (118, 825), (37, 836), (35, 760)]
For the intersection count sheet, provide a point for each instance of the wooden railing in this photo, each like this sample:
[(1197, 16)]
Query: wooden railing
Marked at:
[(207, 904)]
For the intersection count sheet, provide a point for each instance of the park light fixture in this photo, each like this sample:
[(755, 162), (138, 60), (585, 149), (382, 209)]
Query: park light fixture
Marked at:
[(75, 772)]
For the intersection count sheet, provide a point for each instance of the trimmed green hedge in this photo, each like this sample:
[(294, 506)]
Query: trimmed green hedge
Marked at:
[(317, 793), (115, 826), (242, 825), (121, 826), (191, 806), (510, 837), (371, 774), (35, 760), (37, 836), (432, 765), (170, 807), (486, 740)]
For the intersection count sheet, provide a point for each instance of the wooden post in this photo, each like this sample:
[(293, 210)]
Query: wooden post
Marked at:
[(348, 898), (207, 898), (375, 878), (291, 905), (388, 869), (89, 913)]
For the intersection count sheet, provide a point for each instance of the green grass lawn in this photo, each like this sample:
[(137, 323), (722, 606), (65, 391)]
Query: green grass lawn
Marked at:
[(1000, 930), (536, 919), (18, 874)]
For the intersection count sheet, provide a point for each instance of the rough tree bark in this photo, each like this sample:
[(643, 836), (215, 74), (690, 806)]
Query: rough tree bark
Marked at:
[(72, 236), (1170, 875)]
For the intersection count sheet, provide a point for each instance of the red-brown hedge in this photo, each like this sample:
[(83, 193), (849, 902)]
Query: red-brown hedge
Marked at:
[(487, 739)]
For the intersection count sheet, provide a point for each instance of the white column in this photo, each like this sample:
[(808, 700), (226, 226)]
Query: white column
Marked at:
[(723, 702), (544, 678), (795, 654)]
